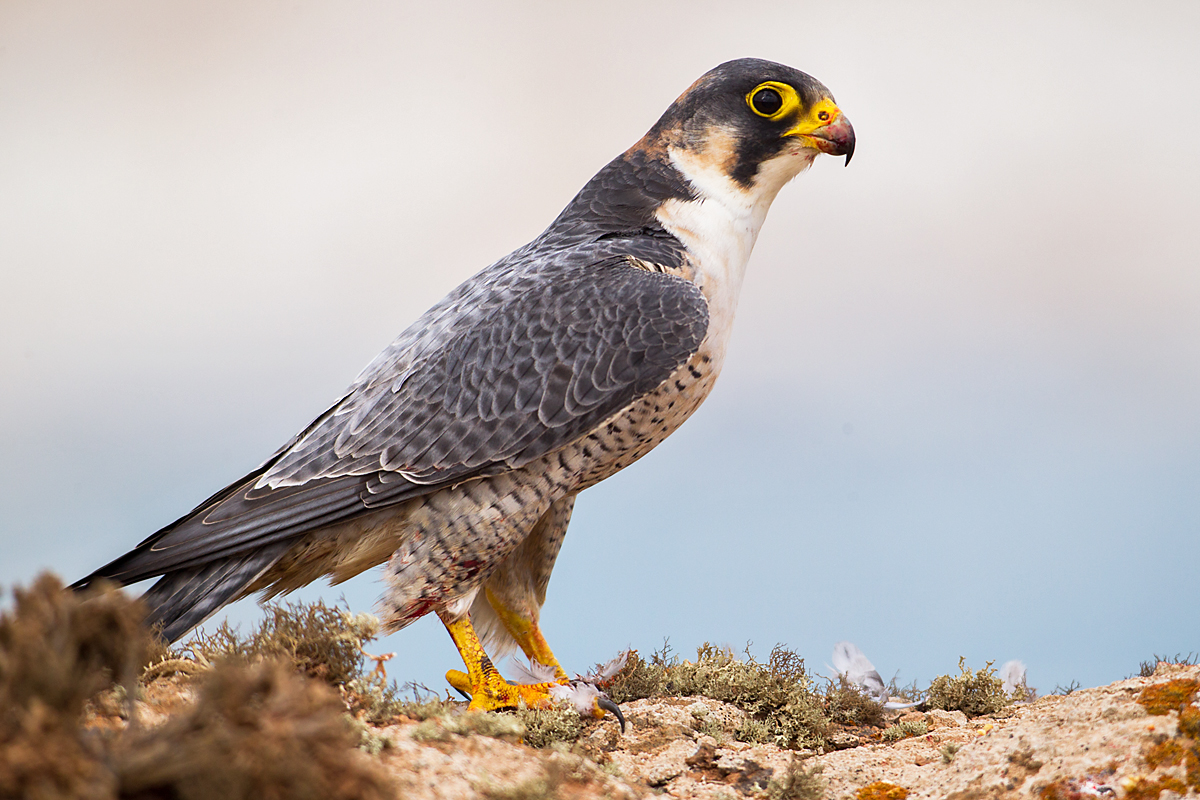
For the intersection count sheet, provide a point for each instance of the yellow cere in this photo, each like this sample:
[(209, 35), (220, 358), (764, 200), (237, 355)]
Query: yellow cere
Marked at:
[(822, 113)]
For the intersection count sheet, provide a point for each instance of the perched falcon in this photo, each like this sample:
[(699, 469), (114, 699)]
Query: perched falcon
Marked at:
[(457, 454)]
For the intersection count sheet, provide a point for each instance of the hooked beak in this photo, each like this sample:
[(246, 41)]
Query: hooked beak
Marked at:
[(606, 704), (826, 128), (836, 138)]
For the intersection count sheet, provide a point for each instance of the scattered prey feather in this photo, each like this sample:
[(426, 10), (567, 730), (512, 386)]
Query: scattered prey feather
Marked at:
[(852, 664)]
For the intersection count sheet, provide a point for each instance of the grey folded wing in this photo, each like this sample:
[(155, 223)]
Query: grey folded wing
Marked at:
[(510, 367)]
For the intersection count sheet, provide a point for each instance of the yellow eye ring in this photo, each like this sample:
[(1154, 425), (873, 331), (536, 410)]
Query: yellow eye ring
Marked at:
[(773, 100)]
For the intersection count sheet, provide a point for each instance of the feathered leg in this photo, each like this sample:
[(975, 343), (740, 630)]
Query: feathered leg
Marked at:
[(507, 612)]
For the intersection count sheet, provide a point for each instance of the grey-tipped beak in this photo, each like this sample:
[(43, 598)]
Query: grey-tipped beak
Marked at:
[(609, 705), (836, 138)]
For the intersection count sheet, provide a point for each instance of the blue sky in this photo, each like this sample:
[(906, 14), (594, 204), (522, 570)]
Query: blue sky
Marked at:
[(959, 414)]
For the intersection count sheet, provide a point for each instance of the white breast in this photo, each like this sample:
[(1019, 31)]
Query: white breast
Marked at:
[(719, 229)]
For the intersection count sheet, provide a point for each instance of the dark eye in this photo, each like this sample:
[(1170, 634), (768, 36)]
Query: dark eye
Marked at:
[(766, 102)]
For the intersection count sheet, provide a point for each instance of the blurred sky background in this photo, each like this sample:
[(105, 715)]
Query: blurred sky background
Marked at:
[(961, 409)]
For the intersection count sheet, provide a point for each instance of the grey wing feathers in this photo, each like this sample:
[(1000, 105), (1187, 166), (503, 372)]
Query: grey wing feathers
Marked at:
[(540, 365), (511, 366), (184, 598)]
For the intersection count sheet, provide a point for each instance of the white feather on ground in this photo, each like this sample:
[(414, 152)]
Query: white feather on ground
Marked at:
[(853, 664), (1012, 675), (581, 692)]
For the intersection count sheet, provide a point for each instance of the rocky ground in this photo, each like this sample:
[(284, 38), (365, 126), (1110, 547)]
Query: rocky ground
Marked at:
[(1093, 742), (291, 711)]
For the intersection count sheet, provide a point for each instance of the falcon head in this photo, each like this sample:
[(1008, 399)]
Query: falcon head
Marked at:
[(754, 122)]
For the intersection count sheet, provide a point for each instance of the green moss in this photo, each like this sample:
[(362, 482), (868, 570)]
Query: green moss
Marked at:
[(973, 693), (431, 730), (1023, 693), (319, 641), (903, 730), (708, 724), (948, 751)]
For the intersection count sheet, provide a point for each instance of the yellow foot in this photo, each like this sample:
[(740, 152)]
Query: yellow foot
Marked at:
[(493, 693), (497, 693), (488, 691)]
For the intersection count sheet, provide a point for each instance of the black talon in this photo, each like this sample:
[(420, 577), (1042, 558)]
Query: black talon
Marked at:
[(609, 705)]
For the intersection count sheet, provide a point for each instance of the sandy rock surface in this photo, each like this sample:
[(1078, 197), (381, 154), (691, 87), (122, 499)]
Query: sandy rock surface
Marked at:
[(1093, 742)]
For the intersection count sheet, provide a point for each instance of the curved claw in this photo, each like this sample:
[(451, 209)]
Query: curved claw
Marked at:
[(609, 705)]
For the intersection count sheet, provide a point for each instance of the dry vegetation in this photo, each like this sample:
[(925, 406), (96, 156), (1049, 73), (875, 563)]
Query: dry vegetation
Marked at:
[(91, 706)]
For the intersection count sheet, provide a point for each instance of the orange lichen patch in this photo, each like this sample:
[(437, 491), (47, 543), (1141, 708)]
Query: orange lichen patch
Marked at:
[(1169, 753), (1059, 790), (879, 790), (1170, 696), (1193, 766), (1146, 789), (1189, 722)]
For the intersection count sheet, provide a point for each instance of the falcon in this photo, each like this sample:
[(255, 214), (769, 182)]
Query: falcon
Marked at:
[(457, 454)]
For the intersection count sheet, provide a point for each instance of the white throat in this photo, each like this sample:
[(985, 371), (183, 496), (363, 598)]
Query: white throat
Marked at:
[(719, 228)]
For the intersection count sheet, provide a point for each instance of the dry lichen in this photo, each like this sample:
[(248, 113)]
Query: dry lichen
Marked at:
[(973, 693), (903, 730), (57, 650), (545, 726), (797, 783), (1147, 668), (777, 696), (478, 723), (319, 641), (255, 731), (639, 678), (846, 704), (322, 642)]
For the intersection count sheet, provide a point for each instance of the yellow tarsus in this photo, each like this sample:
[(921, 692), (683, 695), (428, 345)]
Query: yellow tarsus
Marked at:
[(488, 690), (528, 635)]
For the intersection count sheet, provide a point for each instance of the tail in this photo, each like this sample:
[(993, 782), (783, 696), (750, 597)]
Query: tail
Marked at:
[(184, 598)]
